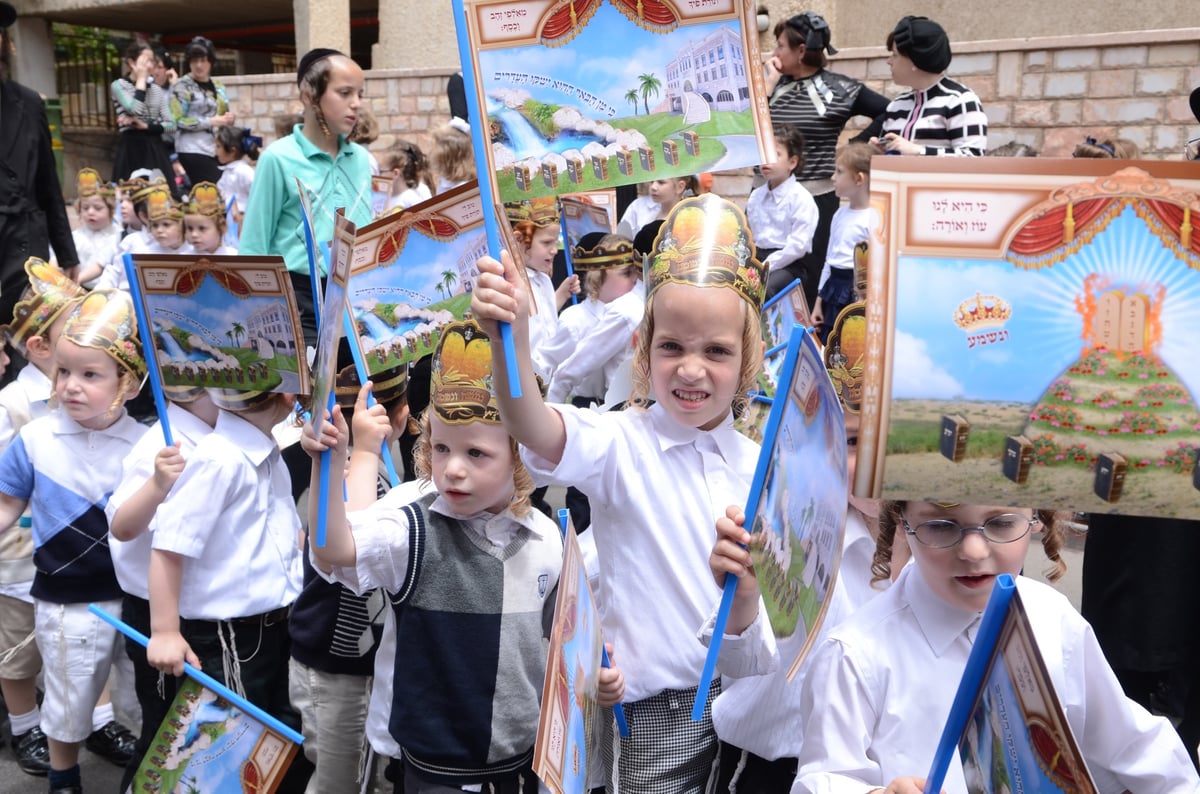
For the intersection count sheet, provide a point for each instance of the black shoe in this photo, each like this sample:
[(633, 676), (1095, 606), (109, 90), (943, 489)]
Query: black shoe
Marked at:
[(33, 753), (114, 742)]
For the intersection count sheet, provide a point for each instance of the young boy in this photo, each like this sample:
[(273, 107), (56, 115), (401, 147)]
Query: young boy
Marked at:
[(851, 225), (229, 520), (35, 326), (66, 464), (782, 214), (473, 572)]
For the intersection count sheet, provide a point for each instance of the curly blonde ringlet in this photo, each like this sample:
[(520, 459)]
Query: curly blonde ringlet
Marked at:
[(752, 357), (890, 517), (423, 461)]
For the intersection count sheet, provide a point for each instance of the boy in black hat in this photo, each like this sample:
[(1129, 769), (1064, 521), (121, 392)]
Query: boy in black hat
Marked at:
[(939, 116)]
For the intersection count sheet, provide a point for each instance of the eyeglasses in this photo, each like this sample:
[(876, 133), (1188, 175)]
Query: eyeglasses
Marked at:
[(941, 533)]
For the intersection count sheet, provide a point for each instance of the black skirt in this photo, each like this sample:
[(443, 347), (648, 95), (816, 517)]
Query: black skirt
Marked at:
[(141, 149)]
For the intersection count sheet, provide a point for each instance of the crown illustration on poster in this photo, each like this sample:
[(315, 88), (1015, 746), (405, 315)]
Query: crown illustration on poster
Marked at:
[(105, 320), (48, 295), (617, 254), (461, 379), (541, 212), (982, 311), (88, 183), (706, 242), (205, 199), (845, 354), (159, 204)]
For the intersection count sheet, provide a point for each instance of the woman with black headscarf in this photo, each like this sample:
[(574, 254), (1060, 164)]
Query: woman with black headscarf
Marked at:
[(818, 102)]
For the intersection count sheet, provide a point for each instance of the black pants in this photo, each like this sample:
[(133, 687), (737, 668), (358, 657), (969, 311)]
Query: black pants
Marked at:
[(302, 286), (757, 776), (200, 168), (136, 612)]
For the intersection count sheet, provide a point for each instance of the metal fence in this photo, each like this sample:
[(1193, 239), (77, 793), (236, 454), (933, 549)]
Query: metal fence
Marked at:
[(84, 68)]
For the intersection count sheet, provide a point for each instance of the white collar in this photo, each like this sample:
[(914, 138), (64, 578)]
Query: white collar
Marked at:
[(672, 434), (35, 382), (941, 623), (490, 525), (255, 445), (66, 426)]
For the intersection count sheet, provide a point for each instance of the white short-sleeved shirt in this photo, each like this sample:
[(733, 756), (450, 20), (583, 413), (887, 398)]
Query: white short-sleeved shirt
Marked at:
[(543, 324), (131, 558), (96, 247), (231, 515), (591, 345), (656, 489), (35, 388), (880, 687), (640, 211), (784, 218), (761, 713), (236, 178)]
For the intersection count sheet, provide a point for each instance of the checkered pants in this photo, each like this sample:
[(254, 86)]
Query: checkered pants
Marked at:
[(666, 752)]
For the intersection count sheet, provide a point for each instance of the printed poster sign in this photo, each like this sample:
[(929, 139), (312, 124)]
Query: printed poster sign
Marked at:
[(411, 273), (227, 322), (567, 736), (797, 523), (207, 744), (581, 217), (329, 332), (591, 94), (1031, 335)]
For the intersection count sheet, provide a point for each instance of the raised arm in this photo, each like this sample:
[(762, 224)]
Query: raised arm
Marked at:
[(134, 516), (339, 549), (498, 298)]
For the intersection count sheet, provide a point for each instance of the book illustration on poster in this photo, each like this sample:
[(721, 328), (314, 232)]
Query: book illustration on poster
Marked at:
[(222, 322), (555, 123), (1006, 723), (796, 508), (411, 273), (568, 737), (212, 740), (1061, 332)]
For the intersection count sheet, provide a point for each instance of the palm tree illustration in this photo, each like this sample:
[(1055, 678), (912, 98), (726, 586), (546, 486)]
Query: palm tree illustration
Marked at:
[(229, 334), (631, 96), (449, 279), (650, 84), (239, 330), (441, 289)]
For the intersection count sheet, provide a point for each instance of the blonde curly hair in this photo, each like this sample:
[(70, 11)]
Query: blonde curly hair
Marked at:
[(891, 517), (752, 357), (423, 461)]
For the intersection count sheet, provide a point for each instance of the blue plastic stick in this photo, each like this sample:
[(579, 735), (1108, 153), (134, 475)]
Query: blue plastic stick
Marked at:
[(205, 679), (973, 674), (149, 350), (323, 485), (562, 224), (486, 199), (360, 367), (564, 517)]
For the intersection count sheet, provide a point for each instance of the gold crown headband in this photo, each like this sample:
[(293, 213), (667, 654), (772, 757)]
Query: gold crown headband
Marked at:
[(104, 320), (88, 183), (159, 204), (205, 199), (706, 242), (541, 212), (48, 295), (461, 378), (616, 255)]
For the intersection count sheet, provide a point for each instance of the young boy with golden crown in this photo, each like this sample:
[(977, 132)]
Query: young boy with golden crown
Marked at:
[(472, 569), (66, 465)]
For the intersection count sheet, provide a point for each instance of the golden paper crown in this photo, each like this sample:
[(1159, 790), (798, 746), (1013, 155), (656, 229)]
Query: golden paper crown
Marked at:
[(706, 242), (541, 212), (845, 355), (205, 199), (104, 319), (88, 183), (48, 295), (982, 311), (131, 187), (613, 256), (461, 378), (159, 204)]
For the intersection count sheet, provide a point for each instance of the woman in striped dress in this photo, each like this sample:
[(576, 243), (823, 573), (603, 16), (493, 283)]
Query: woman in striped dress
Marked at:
[(818, 102), (142, 116)]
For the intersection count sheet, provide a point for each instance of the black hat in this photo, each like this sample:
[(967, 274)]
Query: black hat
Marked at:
[(922, 41), (1194, 100), (814, 29), (8, 14), (311, 57)]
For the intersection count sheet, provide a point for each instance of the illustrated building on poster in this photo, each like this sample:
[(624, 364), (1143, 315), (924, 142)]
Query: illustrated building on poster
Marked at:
[(710, 70)]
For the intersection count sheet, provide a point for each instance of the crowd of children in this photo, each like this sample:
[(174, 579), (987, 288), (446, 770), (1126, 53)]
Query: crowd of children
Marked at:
[(418, 629)]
